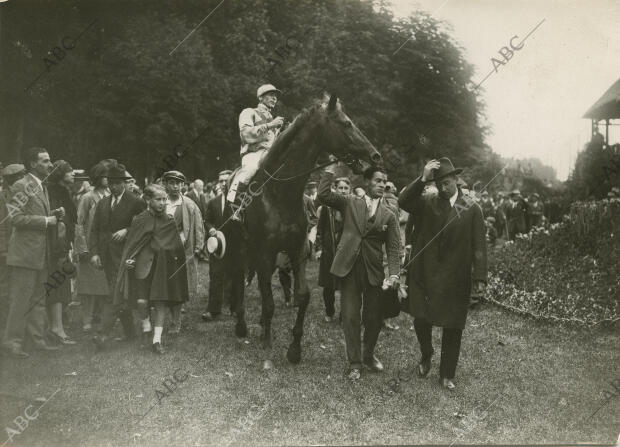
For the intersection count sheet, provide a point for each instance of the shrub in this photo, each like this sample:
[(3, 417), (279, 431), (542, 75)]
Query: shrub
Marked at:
[(568, 271)]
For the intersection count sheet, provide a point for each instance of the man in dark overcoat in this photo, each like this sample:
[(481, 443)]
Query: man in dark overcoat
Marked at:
[(368, 225), (106, 241), (449, 251)]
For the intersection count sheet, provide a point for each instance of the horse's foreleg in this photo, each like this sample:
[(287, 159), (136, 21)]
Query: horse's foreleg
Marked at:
[(302, 297), (264, 272)]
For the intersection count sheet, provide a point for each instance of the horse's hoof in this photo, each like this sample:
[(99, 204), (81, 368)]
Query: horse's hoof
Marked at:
[(241, 329), (293, 354), (267, 365)]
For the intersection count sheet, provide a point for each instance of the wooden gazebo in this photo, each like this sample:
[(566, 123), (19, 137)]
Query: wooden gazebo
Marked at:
[(606, 108)]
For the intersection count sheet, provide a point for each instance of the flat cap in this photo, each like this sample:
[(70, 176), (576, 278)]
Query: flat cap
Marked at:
[(174, 175)]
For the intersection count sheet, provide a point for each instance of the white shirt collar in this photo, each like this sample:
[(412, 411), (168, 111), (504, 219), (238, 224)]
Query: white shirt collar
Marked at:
[(263, 107), (373, 204), (454, 197), (115, 199)]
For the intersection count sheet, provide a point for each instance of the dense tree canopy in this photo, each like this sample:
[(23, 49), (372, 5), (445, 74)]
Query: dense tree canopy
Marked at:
[(128, 90)]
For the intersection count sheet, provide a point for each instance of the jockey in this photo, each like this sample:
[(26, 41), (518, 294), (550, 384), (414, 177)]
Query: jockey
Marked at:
[(258, 130)]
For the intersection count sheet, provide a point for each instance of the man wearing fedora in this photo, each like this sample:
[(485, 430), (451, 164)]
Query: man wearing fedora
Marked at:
[(106, 240), (368, 225), (449, 251), (258, 130), (226, 278), (188, 219)]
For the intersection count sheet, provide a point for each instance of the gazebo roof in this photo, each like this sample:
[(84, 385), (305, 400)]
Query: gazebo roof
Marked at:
[(608, 106)]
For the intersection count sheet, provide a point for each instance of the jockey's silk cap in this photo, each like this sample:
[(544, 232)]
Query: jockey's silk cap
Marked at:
[(266, 88), (174, 175), (225, 172), (515, 192), (13, 169)]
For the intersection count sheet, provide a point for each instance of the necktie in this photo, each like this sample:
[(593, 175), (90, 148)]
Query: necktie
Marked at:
[(114, 202)]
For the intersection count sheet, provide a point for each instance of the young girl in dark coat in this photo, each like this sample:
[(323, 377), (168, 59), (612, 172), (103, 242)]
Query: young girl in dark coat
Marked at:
[(153, 264)]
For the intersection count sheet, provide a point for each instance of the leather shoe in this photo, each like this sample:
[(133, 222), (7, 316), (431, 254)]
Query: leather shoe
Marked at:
[(447, 383), (208, 316), (354, 374), (100, 342), (424, 367), (373, 364), (66, 340), (17, 352), (146, 339), (158, 348)]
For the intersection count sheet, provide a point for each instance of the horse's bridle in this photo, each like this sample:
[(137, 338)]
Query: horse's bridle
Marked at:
[(348, 159)]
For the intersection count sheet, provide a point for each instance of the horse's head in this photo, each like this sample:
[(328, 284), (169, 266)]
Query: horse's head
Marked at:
[(345, 140)]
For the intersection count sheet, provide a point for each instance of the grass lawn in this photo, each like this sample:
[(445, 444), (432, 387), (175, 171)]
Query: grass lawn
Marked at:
[(518, 381)]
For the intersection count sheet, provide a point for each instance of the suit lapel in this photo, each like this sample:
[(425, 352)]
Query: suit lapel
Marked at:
[(220, 212), (40, 194), (185, 213), (361, 214)]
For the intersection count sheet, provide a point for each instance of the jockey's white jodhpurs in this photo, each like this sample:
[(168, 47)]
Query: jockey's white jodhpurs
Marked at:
[(249, 167)]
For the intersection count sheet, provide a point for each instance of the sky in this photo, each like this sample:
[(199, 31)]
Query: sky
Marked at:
[(536, 101)]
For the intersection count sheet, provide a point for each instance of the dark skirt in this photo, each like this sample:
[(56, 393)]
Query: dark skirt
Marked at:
[(58, 283), (167, 280)]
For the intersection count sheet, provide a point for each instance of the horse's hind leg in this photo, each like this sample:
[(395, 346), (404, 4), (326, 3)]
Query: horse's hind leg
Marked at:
[(264, 271), (302, 297)]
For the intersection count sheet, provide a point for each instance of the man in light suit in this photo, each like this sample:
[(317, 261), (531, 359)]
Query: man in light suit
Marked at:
[(106, 240), (29, 255), (368, 224)]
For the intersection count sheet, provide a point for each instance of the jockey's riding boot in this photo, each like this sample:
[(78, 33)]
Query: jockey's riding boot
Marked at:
[(241, 201)]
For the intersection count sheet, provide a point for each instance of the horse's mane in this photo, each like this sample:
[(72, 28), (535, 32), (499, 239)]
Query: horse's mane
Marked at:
[(284, 139)]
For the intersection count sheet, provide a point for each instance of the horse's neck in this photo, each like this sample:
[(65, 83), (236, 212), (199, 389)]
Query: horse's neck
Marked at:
[(295, 161)]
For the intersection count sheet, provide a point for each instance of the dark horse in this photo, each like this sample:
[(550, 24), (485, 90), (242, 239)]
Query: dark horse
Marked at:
[(275, 218)]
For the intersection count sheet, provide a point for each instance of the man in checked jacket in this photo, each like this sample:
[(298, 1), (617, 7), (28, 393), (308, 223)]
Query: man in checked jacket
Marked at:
[(368, 225)]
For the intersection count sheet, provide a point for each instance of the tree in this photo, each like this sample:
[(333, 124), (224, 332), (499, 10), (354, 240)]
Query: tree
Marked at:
[(137, 84)]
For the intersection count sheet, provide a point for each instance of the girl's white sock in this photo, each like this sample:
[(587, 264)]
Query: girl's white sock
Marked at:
[(157, 334)]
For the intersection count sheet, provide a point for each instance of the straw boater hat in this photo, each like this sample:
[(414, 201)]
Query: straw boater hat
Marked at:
[(445, 169), (216, 245)]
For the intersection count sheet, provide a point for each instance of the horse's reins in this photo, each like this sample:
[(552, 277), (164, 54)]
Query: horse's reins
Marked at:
[(303, 174)]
